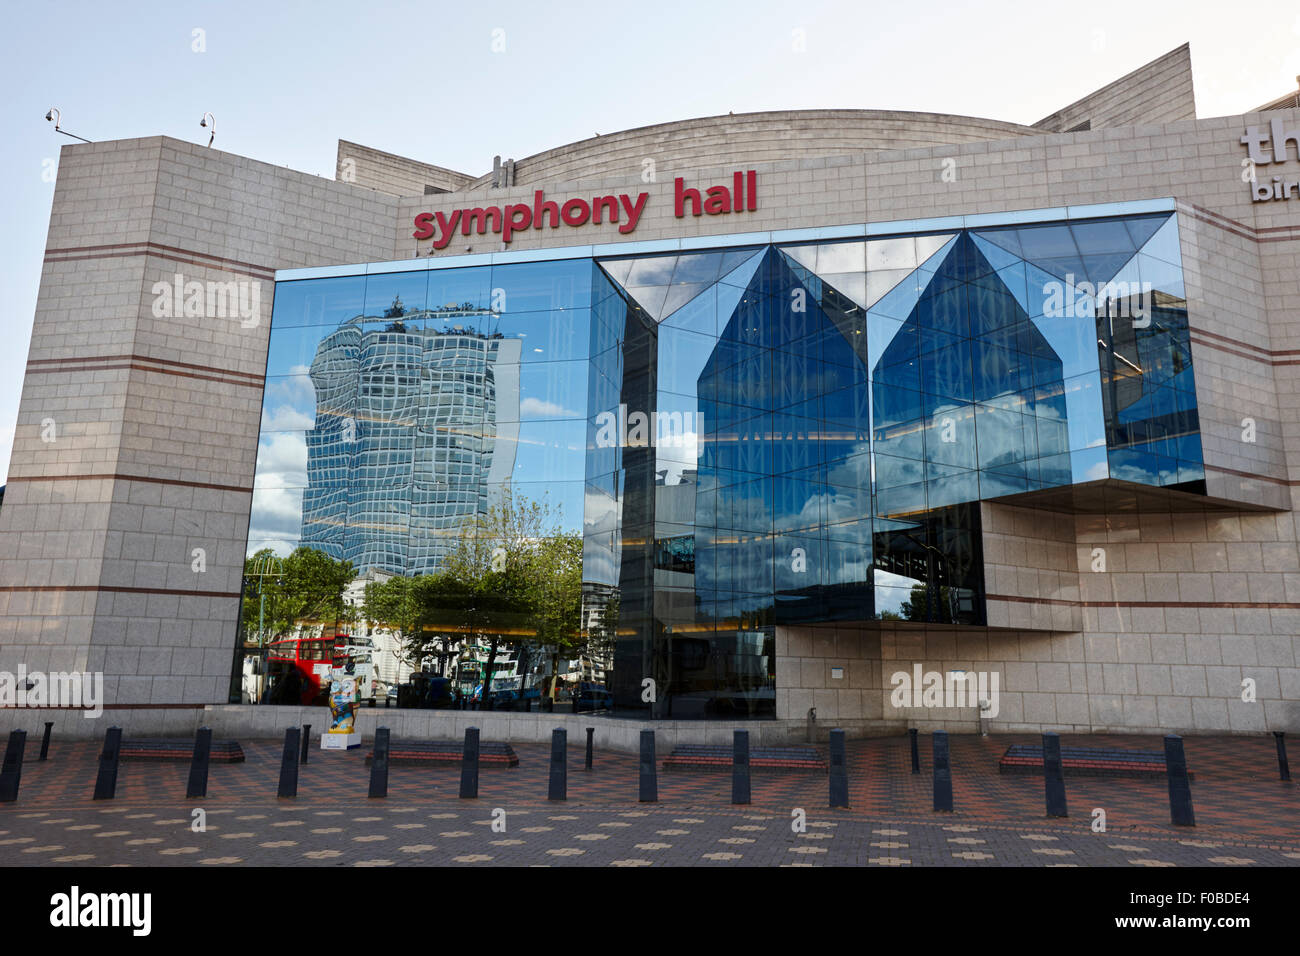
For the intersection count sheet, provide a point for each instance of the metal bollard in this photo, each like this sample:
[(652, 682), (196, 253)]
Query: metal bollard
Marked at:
[(1054, 775), (740, 766), (379, 765), (45, 741), (1180, 788), (942, 773), (11, 772), (839, 771), (1279, 737), (649, 784), (106, 778), (469, 765), (198, 782), (916, 754), (306, 741), (289, 764), (559, 785), (591, 731)]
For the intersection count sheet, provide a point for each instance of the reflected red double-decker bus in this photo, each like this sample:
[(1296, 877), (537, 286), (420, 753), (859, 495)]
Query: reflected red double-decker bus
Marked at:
[(298, 668)]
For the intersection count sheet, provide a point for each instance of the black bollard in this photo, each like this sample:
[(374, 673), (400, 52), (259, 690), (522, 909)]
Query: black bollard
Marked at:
[(839, 771), (916, 753), (11, 772), (289, 764), (591, 731), (1279, 737), (1180, 789), (106, 779), (942, 773), (649, 784), (1054, 775), (740, 767), (45, 741), (559, 788), (379, 765), (198, 783), (469, 766), (306, 741)]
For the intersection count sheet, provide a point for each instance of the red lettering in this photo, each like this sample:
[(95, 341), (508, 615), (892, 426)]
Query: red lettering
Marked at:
[(479, 219), (599, 203), (575, 212), (540, 208), (680, 196), (512, 224), (719, 200), (423, 225)]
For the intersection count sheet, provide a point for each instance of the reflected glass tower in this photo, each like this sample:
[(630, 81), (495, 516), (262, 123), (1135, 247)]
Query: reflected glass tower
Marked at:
[(406, 442)]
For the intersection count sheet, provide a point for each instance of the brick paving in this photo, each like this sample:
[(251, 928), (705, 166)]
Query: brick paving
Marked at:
[(1245, 815)]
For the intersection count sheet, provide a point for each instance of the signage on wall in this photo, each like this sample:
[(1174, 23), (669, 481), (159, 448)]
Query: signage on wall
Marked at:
[(738, 196), (1264, 146)]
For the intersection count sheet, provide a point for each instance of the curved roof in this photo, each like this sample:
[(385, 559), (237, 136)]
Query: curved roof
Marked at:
[(747, 138)]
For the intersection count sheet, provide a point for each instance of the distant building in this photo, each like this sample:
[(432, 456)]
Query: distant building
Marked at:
[(406, 443)]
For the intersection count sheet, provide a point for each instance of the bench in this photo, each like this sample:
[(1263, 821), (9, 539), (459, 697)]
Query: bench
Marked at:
[(719, 757), (1086, 761), (425, 753), (156, 748)]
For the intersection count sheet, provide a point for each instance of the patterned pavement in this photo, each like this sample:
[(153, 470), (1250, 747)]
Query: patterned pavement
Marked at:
[(1246, 817)]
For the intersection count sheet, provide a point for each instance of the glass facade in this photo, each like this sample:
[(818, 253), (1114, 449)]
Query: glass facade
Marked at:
[(741, 437)]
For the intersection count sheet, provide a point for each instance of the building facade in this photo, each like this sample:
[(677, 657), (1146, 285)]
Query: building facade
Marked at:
[(828, 397)]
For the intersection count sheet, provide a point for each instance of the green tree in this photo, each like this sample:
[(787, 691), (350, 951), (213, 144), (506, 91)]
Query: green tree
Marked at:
[(926, 603), (308, 589)]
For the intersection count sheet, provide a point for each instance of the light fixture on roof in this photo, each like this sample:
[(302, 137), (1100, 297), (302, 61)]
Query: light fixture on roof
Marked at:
[(55, 117), (212, 126)]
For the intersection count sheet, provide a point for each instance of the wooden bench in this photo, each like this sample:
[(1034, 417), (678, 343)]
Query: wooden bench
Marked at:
[(806, 759), (425, 753), (156, 748), (1086, 761)]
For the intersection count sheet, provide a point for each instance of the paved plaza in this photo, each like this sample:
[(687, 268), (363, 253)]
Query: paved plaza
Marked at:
[(1245, 816)]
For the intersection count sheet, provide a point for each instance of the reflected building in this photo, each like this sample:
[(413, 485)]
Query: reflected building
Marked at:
[(408, 437)]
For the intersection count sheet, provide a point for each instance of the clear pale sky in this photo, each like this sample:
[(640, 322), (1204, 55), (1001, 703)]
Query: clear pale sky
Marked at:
[(287, 80)]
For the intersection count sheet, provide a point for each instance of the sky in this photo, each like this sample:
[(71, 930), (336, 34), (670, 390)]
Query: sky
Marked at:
[(455, 84)]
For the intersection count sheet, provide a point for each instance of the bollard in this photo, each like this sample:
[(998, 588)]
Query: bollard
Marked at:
[(649, 784), (106, 779), (559, 772), (289, 764), (379, 765), (916, 754), (45, 741), (1279, 737), (740, 767), (469, 766), (942, 773), (1054, 775), (198, 783), (839, 771), (306, 741), (590, 733), (1180, 789), (11, 772)]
